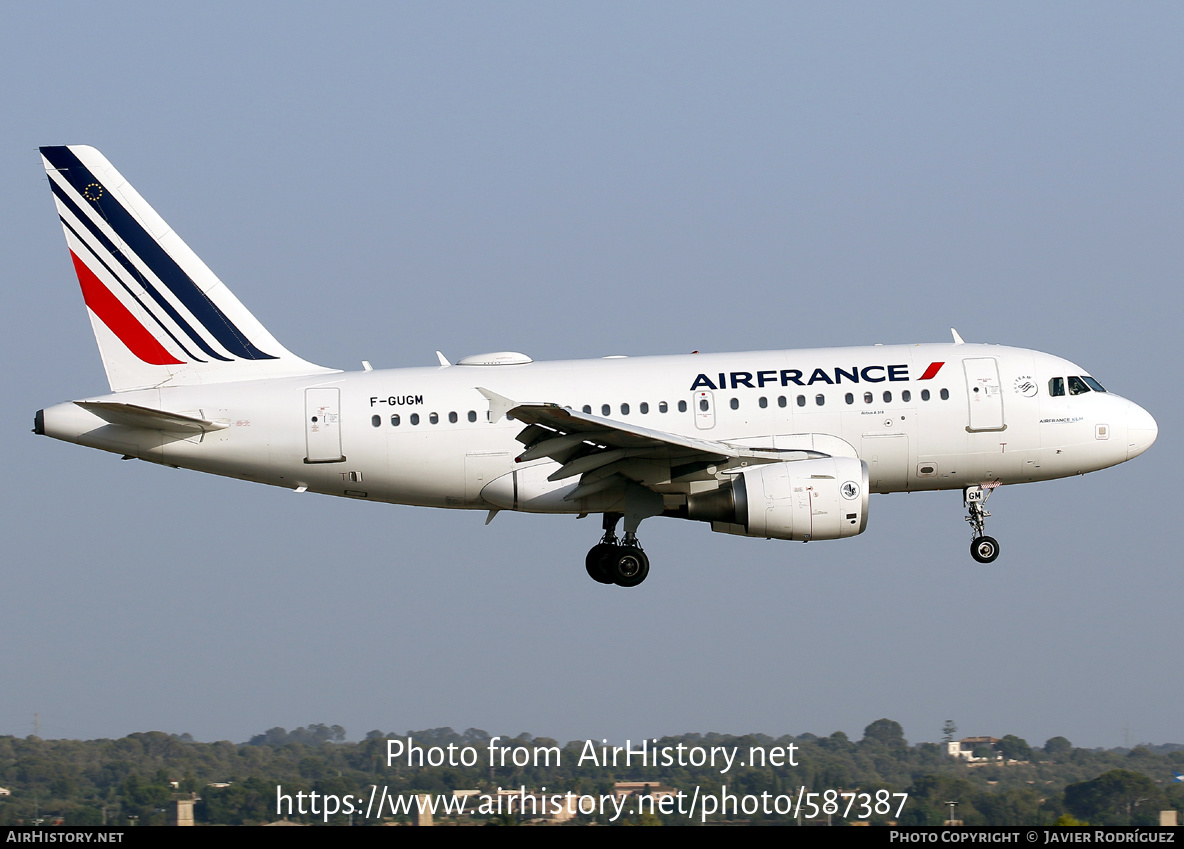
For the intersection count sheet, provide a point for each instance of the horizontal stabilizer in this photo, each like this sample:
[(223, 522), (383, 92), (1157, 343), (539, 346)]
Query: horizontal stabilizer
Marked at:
[(145, 418)]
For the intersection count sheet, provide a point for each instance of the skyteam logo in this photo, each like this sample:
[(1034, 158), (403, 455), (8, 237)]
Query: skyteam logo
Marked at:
[(1025, 385)]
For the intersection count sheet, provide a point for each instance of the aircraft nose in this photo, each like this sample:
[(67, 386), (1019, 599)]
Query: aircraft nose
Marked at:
[(1141, 431)]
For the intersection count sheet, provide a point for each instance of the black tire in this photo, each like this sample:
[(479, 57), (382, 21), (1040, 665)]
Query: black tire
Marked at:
[(599, 562), (984, 549), (629, 566)]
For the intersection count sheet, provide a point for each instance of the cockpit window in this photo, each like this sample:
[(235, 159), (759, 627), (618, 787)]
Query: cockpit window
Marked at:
[(1077, 385), (1056, 387), (1092, 384)]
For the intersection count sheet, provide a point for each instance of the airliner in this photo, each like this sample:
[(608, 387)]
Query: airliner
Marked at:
[(780, 444)]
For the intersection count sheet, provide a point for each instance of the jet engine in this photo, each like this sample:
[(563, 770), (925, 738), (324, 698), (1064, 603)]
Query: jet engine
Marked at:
[(824, 498)]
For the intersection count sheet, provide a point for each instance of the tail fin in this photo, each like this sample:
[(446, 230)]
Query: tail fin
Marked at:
[(160, 316)]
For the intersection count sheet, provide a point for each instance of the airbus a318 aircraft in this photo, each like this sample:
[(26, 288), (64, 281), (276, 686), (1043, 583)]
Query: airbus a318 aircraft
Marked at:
[(770, 444)]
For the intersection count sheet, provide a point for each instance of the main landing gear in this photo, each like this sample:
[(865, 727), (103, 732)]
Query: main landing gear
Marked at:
[(983, 548), (613, 561)]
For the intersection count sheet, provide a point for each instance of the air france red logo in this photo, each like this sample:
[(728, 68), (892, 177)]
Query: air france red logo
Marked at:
[(932, 371)]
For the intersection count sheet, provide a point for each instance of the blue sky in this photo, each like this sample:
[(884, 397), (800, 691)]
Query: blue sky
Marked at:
[(378, 181)]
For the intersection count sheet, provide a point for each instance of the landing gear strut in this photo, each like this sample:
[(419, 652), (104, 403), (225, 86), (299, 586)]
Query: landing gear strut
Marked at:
[(983, 548), (613, 561)]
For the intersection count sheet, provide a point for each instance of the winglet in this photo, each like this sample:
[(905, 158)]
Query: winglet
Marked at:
[(499, 405), (957, 339)]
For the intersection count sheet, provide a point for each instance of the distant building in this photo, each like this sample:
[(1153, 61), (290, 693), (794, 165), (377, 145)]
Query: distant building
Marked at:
[(181, 809), (621, 789), (537, 806), (422, 815), (965, 747)]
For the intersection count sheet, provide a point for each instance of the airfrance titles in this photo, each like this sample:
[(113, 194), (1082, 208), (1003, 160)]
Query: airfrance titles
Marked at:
[(796, 377)]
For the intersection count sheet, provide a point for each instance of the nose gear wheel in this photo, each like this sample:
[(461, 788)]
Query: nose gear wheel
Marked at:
[(983, 548)]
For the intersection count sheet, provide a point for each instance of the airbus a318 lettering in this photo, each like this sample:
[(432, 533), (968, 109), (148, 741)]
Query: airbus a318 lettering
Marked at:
[(772, 444)]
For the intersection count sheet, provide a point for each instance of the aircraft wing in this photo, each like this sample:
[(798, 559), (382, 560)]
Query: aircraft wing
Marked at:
[(600, 449)]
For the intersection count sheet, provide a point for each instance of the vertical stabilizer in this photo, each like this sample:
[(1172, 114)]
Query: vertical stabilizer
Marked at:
[(160, 316)]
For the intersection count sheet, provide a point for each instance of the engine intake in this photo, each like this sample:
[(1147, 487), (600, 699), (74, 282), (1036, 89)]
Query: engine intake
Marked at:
[(824, 498)]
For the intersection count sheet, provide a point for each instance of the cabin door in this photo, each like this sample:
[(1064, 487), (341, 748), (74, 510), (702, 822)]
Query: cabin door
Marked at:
[(322, 425), (984, 395)]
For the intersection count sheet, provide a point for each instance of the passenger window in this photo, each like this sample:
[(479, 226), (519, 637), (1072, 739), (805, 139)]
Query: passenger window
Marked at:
[(588, 408), (906, 396), (376, 421), (643, 408), (887, 397), (452, 418), (472, 415), (703, 405), (663, 407), (924, 394), (782, 401), (624, 409), (801, 400), (1077, 386), (605, 409), (819, 400), (867, 397), (682, 406), (945, 395), (763, 402), (434, 418), (1056, 387), (415, 418), (734, 403), (395, 420)]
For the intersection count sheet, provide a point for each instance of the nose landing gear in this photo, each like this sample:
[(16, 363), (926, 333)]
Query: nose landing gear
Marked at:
[(983, 548), (613, 561)]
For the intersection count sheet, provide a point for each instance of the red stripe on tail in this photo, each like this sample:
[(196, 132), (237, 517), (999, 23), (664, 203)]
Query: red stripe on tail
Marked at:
[(118, 320)]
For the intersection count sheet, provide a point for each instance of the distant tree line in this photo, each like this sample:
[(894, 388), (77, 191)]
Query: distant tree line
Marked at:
[(135, 778)]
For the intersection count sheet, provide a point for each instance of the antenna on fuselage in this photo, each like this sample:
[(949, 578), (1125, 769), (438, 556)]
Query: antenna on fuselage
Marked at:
[(958, 340)]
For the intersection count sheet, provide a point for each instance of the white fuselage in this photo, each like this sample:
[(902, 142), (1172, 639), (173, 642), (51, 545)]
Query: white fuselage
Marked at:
[(424, 436), (768, 444)]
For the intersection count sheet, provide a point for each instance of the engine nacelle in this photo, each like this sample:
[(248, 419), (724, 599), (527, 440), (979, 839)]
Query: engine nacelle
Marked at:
[(826, 498)]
